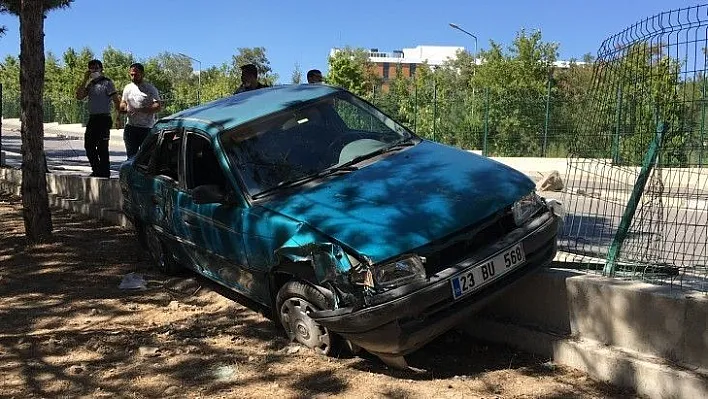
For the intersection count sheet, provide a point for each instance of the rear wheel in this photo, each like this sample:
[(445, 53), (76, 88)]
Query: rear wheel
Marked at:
[(295, 301), (161, 256)]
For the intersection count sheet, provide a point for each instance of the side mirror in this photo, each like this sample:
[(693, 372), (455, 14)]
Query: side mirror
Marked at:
[(209, 194)]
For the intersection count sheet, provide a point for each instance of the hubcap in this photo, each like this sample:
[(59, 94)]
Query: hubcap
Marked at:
[(300, 327)]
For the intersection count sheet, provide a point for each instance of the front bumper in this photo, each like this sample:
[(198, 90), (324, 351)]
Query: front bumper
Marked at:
[(405, 323)]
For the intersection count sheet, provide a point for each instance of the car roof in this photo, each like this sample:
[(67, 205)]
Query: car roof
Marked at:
[(232, 111)]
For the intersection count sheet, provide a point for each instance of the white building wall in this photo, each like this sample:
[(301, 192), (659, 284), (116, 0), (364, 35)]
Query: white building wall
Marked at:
[(433, 55)]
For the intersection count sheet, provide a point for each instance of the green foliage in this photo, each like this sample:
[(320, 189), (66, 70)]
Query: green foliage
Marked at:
[(517, 86), (172, 74), (10, 80), (515, 103), (217, 83), (296, 77), (256, 56), (350, 69), (13, 7), (635, 90)]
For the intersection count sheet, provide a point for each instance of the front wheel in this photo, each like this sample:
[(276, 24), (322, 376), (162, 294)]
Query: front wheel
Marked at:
[(295, 301)]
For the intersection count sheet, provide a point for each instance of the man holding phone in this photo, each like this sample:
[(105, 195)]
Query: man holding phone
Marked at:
[(100, 91), (141, 101)]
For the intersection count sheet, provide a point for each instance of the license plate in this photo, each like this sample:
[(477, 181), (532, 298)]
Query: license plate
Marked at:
[(488, 271)]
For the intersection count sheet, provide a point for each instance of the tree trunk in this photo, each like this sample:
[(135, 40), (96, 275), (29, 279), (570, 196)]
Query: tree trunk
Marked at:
[(35, 201)]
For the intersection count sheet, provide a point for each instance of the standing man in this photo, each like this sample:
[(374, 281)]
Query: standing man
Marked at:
[(100, 92), (314, 76), (249, 79), (141, 101)]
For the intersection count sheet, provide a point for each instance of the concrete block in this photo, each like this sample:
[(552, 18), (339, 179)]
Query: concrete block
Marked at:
[(647, 376), (98, 198), (541, 300), (695, 343), (509, 333), (640, 317)]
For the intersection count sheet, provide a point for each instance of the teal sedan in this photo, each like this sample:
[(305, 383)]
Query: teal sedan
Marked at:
[(352, 230)]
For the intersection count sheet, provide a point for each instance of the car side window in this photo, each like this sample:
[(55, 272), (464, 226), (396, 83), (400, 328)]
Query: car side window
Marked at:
[(202, 165), (167, 156), (142, 160)]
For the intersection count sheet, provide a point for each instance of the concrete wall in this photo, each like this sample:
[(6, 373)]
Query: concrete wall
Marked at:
[(650, 338), (96, 197)]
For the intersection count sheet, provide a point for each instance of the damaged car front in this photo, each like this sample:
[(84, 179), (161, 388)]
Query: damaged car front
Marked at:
[(396, 305), (407, 301), (383, 238)]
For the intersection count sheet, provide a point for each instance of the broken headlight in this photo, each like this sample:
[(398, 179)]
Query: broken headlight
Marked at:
[(399, 272), (526, 207)]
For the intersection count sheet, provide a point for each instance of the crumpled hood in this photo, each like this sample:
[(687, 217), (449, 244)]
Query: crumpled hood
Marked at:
[(405, 200)]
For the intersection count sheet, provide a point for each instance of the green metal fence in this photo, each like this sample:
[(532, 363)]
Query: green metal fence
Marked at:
[(65, 110), (637, 192), (487, 121)]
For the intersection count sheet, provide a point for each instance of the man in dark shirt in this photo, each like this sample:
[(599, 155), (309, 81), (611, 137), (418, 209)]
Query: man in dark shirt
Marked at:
[(100, 92), (249, 79), (314, 76)]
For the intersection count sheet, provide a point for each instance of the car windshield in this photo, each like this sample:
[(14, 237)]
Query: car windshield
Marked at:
[(330, 134)]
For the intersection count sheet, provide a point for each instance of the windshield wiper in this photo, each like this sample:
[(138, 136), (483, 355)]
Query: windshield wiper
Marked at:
[(396, 145), (292, 183)]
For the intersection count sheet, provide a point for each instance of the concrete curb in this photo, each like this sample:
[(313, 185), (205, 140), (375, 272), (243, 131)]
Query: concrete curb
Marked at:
[(99, 198), (73, 131), (649, 338), (651, 376)]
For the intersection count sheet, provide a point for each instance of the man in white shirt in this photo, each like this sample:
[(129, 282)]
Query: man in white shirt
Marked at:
[(141, 101)]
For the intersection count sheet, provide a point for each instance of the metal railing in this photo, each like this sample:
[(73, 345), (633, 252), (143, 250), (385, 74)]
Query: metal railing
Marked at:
[(637, 193)]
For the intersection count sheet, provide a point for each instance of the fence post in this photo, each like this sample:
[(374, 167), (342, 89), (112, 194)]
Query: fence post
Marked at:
[(415, 112), (647, 165), (703, 119), (435, 104), (373, 101), (486, 122), (616, 136), (548, 115)]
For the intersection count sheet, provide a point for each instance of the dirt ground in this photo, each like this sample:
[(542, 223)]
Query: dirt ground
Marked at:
[(67, 330)]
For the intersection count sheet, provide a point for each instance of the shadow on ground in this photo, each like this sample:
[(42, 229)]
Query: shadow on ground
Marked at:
[(68, 330)]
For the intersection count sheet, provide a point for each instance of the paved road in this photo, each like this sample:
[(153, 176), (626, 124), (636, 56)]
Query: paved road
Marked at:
[(64, 153), (662, 234)]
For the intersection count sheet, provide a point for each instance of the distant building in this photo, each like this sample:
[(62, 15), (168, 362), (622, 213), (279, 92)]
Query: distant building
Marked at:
[(408, 59)]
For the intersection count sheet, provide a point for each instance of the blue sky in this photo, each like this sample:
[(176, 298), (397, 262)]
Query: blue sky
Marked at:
[(304, 31)]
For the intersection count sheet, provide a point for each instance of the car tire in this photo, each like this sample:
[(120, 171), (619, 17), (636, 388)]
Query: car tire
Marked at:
[(161, 256), (295, 301)]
